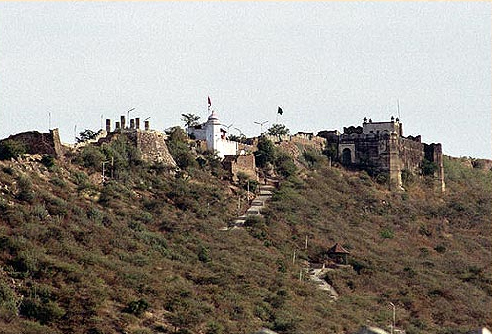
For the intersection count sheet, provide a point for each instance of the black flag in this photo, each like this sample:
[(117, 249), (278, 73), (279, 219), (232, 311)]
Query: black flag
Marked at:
[(280, 111)]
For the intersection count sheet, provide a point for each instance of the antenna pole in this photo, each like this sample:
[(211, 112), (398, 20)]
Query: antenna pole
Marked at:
[(398, 101)]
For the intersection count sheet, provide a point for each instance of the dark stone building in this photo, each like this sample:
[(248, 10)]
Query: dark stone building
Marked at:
[(380, 147)]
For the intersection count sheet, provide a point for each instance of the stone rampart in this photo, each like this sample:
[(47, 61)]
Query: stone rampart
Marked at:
[(152, 145), (41, 143)]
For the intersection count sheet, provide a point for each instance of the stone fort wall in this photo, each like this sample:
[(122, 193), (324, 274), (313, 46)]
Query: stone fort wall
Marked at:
[(152, 144), (41, 143), (385, 152)]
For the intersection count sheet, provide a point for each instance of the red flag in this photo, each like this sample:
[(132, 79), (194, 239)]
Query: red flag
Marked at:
[(209, 102)]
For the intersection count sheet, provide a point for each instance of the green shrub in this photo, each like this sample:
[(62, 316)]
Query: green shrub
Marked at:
[(177, 143), (8, 302), (331, 151), (214, 327), (26, 192), (137, 307), (387, 233), (11, 149), (204, 254), (407, 177), (48, 160), (440, 248), (312, 158), (45, 313), (382, 178), (428, 167), (285, 165), (91, 157)]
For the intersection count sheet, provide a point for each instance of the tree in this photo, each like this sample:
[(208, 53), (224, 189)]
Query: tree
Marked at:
[(278, 130), (178, 147), (331, 151), (86, 135), (265, 152), (239, 139), (190, 119)]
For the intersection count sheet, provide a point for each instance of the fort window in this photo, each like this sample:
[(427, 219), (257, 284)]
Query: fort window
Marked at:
[(346, 156)]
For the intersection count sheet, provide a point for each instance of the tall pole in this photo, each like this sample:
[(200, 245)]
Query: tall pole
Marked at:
[(128, 116), (49, 120), (112, 167), (239, 205), (248, 190), (103, 170), (398, 101), (394, 318)]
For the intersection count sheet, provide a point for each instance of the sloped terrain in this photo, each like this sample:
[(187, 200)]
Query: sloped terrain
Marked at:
[(144, 253)]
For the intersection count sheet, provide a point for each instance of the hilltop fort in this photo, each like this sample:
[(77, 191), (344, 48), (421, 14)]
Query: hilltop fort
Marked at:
[(380, 148)]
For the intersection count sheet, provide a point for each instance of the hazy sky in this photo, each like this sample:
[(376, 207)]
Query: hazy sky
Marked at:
[(327, 64)]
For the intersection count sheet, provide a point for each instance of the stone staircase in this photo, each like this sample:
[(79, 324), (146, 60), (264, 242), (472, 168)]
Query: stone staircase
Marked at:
[(256, 206)]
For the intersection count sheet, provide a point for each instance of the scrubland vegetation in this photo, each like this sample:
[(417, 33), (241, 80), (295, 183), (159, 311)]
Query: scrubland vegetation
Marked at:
[(144, 253)]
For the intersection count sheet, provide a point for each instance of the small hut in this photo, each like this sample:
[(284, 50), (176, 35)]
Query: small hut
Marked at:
[(338, 254)]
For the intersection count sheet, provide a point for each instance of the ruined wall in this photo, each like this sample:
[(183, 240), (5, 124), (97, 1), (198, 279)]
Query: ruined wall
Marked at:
[(152, 145), (412, 154), (370, 150), (235, 164), (433, 153), (294, 144), (41, 143)]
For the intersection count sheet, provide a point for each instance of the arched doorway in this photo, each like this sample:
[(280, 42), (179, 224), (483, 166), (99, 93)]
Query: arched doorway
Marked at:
[(346, 156)]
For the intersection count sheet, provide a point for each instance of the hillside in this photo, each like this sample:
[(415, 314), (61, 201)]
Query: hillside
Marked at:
[(145, 252)]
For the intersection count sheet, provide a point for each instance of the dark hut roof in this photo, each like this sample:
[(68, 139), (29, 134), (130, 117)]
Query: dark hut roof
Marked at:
[(337, 249)]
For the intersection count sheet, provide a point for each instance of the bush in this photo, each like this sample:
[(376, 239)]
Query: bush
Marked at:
[(407, 178), (177, 144), (43, 312), (137, 307), (387, 233), (91, 157), (313, 158), (382, 178), (285, 165), (26, 192), (11, 149), (246, 183), (8, 302), (48, 160), (204, 254), (214, 328), (331, 151), (428, 167)]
